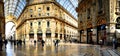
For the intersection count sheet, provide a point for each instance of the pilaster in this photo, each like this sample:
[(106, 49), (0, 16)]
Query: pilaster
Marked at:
[(44, 36), (35, 36), (27, 38)]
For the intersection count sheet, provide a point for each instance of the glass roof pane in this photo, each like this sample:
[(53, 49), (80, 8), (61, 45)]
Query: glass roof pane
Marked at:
[(65, 3), (74, 2), (62, 1), (19, 6), (18, 9), (69, 8), (11, 1), (17, 13), (14, 7), (15, 2), (23, 3), (58, 0), (6, 3), (69, 5)]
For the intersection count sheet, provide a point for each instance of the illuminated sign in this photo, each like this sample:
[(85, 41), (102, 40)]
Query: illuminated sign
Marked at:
[(117, 26)]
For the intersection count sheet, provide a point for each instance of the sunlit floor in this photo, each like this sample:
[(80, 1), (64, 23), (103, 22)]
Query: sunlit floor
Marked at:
[(47, 50)]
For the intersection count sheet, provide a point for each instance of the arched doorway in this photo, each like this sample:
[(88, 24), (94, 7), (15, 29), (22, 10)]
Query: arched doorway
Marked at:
[(10, 30), (10, 27)]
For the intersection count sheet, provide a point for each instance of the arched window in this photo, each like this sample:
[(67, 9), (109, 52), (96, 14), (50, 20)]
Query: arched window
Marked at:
[(48, 8), (31, 24), (48, 23), (39, 23)]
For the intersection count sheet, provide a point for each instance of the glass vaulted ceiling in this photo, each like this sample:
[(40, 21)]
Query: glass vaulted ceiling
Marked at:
[(14, 7), (69, 5)]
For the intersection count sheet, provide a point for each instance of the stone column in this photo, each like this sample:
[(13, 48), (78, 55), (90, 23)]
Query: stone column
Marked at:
[(27, 31), (85, 33), (35, 26), (58, 35), (35, 36), (44, 36), (27, 37), (44, 26), (53, 37), (53, 28), (62, 37), (94, 37)]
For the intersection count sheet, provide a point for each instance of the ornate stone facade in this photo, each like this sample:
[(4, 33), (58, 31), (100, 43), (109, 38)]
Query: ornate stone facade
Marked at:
[(45, 20), (97, 20)]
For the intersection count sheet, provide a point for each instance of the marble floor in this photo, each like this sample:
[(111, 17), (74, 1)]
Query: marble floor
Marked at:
[(64, 49)]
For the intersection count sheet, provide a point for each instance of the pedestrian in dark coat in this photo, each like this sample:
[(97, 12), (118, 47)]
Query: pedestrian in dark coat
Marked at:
[(5, 43), (115, 43), (1, 44), (57, 41), (54, 41), (42, 42)]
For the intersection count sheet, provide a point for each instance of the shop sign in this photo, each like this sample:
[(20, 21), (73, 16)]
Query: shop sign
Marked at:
[(117, 26)]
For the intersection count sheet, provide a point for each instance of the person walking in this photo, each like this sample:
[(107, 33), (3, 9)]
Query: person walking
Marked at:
[(54, 41), (5, 42), (42, 42), (24, 41), (57, 41), (1, 44), (115, 43), (35, 42)]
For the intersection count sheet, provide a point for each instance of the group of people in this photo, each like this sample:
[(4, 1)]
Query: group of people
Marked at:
[(18, 42), (42, 42), (3, 42), (56, 42), (114, 43)]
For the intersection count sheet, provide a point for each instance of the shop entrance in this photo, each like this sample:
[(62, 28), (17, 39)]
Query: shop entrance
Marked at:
[(101, 33), (89, 36), (39, 37), (31, 37), (48, 37)]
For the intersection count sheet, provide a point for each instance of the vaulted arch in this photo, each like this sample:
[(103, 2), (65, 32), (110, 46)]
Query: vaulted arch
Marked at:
[(10, 19)]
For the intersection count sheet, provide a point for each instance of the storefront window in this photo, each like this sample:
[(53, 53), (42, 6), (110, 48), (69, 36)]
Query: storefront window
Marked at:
[(39, 9)]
